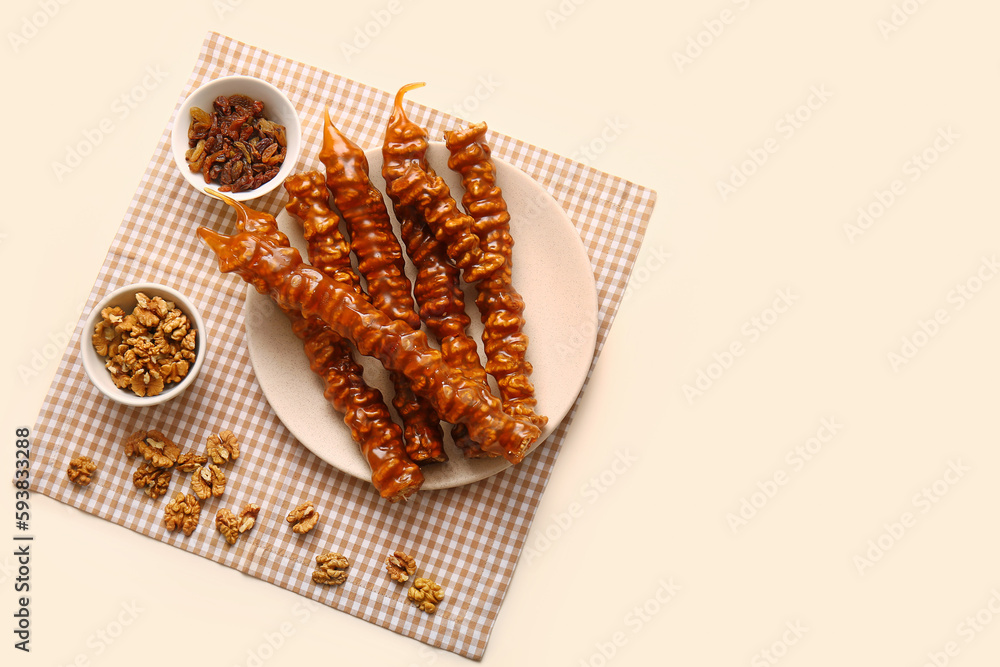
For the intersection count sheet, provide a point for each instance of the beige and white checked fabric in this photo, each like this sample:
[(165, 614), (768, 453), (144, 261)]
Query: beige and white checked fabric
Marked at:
[(457, 534)]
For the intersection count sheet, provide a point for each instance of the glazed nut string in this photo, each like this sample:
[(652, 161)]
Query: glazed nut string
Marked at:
[(367, 417), (329, 251), (380, 261), (501, 307), (436, 285), (415, 185), (278, 270)]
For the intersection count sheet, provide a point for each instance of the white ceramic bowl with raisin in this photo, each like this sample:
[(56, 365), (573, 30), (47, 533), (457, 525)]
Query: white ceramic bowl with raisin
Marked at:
[(165, 356), (249, 143)]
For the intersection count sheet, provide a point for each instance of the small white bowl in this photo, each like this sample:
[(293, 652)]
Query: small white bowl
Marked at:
[(277, 108), (124, 297)]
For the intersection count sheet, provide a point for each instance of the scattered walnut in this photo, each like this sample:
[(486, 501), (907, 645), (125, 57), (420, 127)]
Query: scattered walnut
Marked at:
[(81, 469), (208, 481), (152, 480), (303, 518), (228, 524), (330, 568), (425, 594), (232, 526), (182, 512), (143, 347), (189, 461), (400, 566), (158, 449), (223, 447), (248, 516), (131, 444)]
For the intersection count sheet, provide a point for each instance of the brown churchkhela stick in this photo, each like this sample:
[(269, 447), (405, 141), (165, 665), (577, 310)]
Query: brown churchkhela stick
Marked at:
[(437, 283), (380, 261), (394, 476), (278, 271), (417, 186), (329, 251), (501, 308)]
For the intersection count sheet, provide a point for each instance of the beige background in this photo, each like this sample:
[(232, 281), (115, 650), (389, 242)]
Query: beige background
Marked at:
[(640, 498)]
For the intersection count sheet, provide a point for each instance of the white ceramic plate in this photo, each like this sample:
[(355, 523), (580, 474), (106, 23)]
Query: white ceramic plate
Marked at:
[(552, 272)]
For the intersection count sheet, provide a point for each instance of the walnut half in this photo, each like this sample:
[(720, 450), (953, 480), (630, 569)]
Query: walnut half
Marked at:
[(232, 526), (182, 512), (81, 469), (425, 594), (208, 481), (228, 525), (303, 518), (156, 448), (400, 566), (330, 568), (152, 480), (223, 447)]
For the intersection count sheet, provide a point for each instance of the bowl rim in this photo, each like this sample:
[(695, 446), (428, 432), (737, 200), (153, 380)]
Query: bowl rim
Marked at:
[(93, 363), (179, 143)]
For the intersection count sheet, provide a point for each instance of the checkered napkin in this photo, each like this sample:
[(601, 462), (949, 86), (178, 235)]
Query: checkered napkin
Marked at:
[(463, 538)]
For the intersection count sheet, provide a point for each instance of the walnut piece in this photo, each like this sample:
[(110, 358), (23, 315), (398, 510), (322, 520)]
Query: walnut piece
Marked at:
[(152, 480), (146, 383), (208, 481), (222, 447), (400, 566), (425, 594), (248, 516), (190, 461), (182, 512), (228, 524), (330, 568), (147, 349), (303, 518), (232, 526), (81, 469), (158, 449), (131, 444)]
